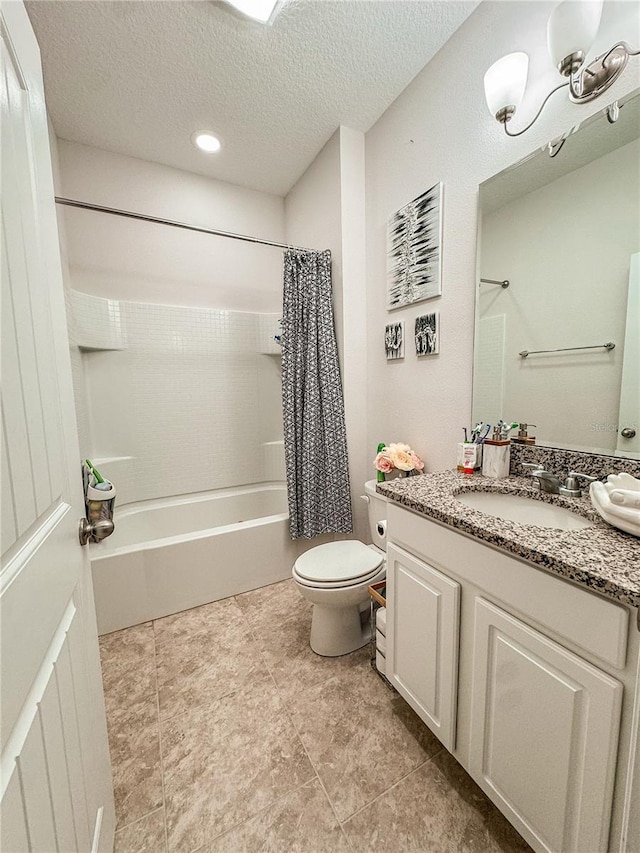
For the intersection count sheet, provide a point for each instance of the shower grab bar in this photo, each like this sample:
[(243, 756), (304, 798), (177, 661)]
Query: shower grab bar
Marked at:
[(525, 352), (143, 217)]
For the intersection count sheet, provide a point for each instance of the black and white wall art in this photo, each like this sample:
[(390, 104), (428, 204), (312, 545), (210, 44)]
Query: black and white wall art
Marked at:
[(414, 250), (427, 334), (394, 340)]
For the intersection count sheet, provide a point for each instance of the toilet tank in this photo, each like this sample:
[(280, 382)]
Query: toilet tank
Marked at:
[(377, 509)]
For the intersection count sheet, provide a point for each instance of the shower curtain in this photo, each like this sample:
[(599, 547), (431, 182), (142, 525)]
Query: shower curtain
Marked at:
[(315, 438)]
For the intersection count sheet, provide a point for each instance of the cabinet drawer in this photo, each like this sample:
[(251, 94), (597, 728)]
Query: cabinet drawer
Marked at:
[(423, 618), (544, 734), (590, 622)]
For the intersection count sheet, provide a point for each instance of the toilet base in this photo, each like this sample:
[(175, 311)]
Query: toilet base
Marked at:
[(338, 630)]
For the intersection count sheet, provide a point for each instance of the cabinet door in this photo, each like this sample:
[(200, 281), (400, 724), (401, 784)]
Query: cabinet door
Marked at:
[(423, 613), (544, 734)]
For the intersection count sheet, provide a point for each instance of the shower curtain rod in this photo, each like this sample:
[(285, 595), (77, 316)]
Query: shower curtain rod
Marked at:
[(83, 205)]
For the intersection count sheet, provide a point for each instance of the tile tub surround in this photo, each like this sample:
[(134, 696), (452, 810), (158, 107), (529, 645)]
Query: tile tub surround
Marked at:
[(137, 364), (599, 557), (282, 751)]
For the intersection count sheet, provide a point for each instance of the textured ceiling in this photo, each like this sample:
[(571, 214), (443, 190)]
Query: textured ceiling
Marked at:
[(139, 78)]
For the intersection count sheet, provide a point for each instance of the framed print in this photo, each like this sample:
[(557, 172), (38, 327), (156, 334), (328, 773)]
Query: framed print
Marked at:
[(414, 250), (394, 340), (427, 334)]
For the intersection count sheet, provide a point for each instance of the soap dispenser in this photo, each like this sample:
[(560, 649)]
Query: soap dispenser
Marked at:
[(522, 437)]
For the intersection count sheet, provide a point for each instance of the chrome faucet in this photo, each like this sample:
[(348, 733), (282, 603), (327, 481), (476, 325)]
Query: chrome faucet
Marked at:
[(548, 482)]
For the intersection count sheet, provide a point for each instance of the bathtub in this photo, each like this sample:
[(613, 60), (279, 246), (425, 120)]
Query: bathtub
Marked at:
[(174, 553)]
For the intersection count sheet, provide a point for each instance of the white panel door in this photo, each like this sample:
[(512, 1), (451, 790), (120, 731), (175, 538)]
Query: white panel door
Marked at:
[(544, 734), (55, 779), (423, 621)]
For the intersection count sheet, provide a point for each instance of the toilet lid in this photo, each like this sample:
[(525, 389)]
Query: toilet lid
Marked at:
[(338, 562)]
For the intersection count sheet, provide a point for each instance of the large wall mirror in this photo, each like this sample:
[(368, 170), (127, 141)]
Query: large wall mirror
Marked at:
[(564, 232)]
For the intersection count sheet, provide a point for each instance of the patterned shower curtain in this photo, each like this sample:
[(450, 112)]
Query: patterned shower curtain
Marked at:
[(315, 439)]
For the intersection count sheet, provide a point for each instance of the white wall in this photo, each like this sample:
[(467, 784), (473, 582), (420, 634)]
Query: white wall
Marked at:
[(439, 129), (124, 259), (564, 294), (325, 210), (77, 364), (313, 217), (354, 303)]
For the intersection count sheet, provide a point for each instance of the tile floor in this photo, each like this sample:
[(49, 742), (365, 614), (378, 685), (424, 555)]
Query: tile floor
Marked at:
[(227, 733)]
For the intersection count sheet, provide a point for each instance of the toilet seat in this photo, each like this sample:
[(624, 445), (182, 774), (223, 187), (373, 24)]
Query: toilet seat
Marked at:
[(338, 564), (339, 585)]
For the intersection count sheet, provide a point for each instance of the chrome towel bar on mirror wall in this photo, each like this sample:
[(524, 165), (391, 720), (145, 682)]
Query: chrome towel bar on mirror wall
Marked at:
[(525, 352)]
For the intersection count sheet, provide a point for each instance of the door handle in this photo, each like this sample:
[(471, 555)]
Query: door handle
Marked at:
[(94, 531)]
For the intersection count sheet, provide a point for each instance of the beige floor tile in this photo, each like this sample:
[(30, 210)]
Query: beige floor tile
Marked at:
[(218, 658), (236, 774), (273, 604), (302, 822), (296, 668), (436, 809), (360, 736), (134, 745), (146, 835), (213, 617), (281, 622), (128, 665), (224, 764)]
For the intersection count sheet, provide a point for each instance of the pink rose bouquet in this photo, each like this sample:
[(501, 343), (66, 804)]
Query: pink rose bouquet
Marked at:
[(398, 457)]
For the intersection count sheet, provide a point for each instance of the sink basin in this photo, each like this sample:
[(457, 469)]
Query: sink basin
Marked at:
[(524, 510)]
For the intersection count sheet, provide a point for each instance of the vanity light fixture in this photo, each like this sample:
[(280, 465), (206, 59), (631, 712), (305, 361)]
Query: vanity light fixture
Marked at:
[(571, 30), (263, 11), (206, 142)]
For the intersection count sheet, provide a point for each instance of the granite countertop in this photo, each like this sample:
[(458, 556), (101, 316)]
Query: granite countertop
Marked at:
[(599, 557)]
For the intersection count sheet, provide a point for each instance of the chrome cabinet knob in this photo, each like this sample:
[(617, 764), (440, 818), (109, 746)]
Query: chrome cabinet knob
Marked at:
[(628, 432)]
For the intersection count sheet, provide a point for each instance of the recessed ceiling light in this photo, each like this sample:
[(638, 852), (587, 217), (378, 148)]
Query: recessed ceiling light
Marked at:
[(264, 11), (206, 142)]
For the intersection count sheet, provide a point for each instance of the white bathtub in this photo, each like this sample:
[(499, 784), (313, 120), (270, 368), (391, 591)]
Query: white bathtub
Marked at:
[(171, 554)]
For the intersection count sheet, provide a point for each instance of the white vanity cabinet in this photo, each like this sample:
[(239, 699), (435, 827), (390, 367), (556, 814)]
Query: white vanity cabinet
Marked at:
[(422, 651), (528, 679), (544, 732)]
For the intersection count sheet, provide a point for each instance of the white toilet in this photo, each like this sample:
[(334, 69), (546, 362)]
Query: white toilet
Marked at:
[(334, 578)]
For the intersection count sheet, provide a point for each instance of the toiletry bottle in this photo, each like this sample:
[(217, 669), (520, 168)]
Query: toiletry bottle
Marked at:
[(99, 501), (523, 437), (469, 458)]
